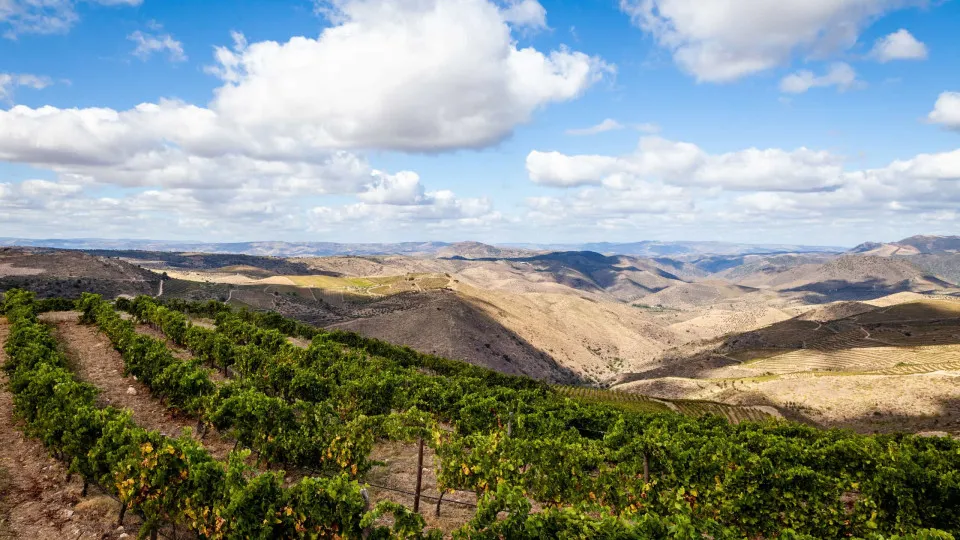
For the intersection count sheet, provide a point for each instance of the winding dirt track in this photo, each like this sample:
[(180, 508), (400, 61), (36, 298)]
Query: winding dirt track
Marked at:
[(36, 501)]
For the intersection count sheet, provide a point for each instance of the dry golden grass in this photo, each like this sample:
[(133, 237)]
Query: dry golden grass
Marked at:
[(331, 282)]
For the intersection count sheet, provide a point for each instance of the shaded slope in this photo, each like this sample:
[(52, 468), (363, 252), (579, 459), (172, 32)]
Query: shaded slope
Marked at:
[(619, 277), (445, 325), (689, 295)]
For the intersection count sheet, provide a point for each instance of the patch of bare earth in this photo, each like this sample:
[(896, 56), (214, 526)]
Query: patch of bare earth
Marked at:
[(36, 500), (299, 342), (399, 473), (97, 362)]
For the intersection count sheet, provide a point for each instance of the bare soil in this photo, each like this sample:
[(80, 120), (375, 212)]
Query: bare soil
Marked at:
[(400, 473)]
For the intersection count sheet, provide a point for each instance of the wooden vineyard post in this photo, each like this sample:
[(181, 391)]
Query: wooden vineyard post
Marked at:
[(416, 498), (646, 468)]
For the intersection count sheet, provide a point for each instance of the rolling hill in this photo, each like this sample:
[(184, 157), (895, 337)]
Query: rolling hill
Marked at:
[(915, 245), (850, 277), (66, 273), (884, 365)]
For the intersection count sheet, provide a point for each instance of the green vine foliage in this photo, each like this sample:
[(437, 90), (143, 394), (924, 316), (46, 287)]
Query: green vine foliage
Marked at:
[(163, 479), (545, 465)]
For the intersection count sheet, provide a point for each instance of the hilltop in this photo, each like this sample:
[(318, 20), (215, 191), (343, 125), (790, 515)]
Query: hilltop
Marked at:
[(938, 255), (915, 245)]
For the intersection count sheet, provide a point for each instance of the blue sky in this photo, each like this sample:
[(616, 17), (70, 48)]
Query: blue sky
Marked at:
[(801, 121)]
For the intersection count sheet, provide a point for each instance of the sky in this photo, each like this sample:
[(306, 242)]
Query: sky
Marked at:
[(828, 122)]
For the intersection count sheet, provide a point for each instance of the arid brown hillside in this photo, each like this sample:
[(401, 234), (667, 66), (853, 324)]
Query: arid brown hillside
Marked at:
[(891, 364), (690, 295), (755, 270), (443, 323), (915, 245), (67, 273), (205, 261), (477, 250), (618, 278), (734, 267), (851, 277)]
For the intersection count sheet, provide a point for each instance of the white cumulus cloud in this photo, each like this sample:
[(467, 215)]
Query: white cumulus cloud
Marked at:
[(676, 188), (525, 13), (685, 164), (556, 169), (403, 188), (724, 40), (946, 110), (900, 45), (450, 76), (288, 125)]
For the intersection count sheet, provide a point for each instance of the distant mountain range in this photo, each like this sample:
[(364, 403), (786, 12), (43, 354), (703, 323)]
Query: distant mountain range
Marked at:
[(653, 248), (423, 249), (688, 250), (275, 249)]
